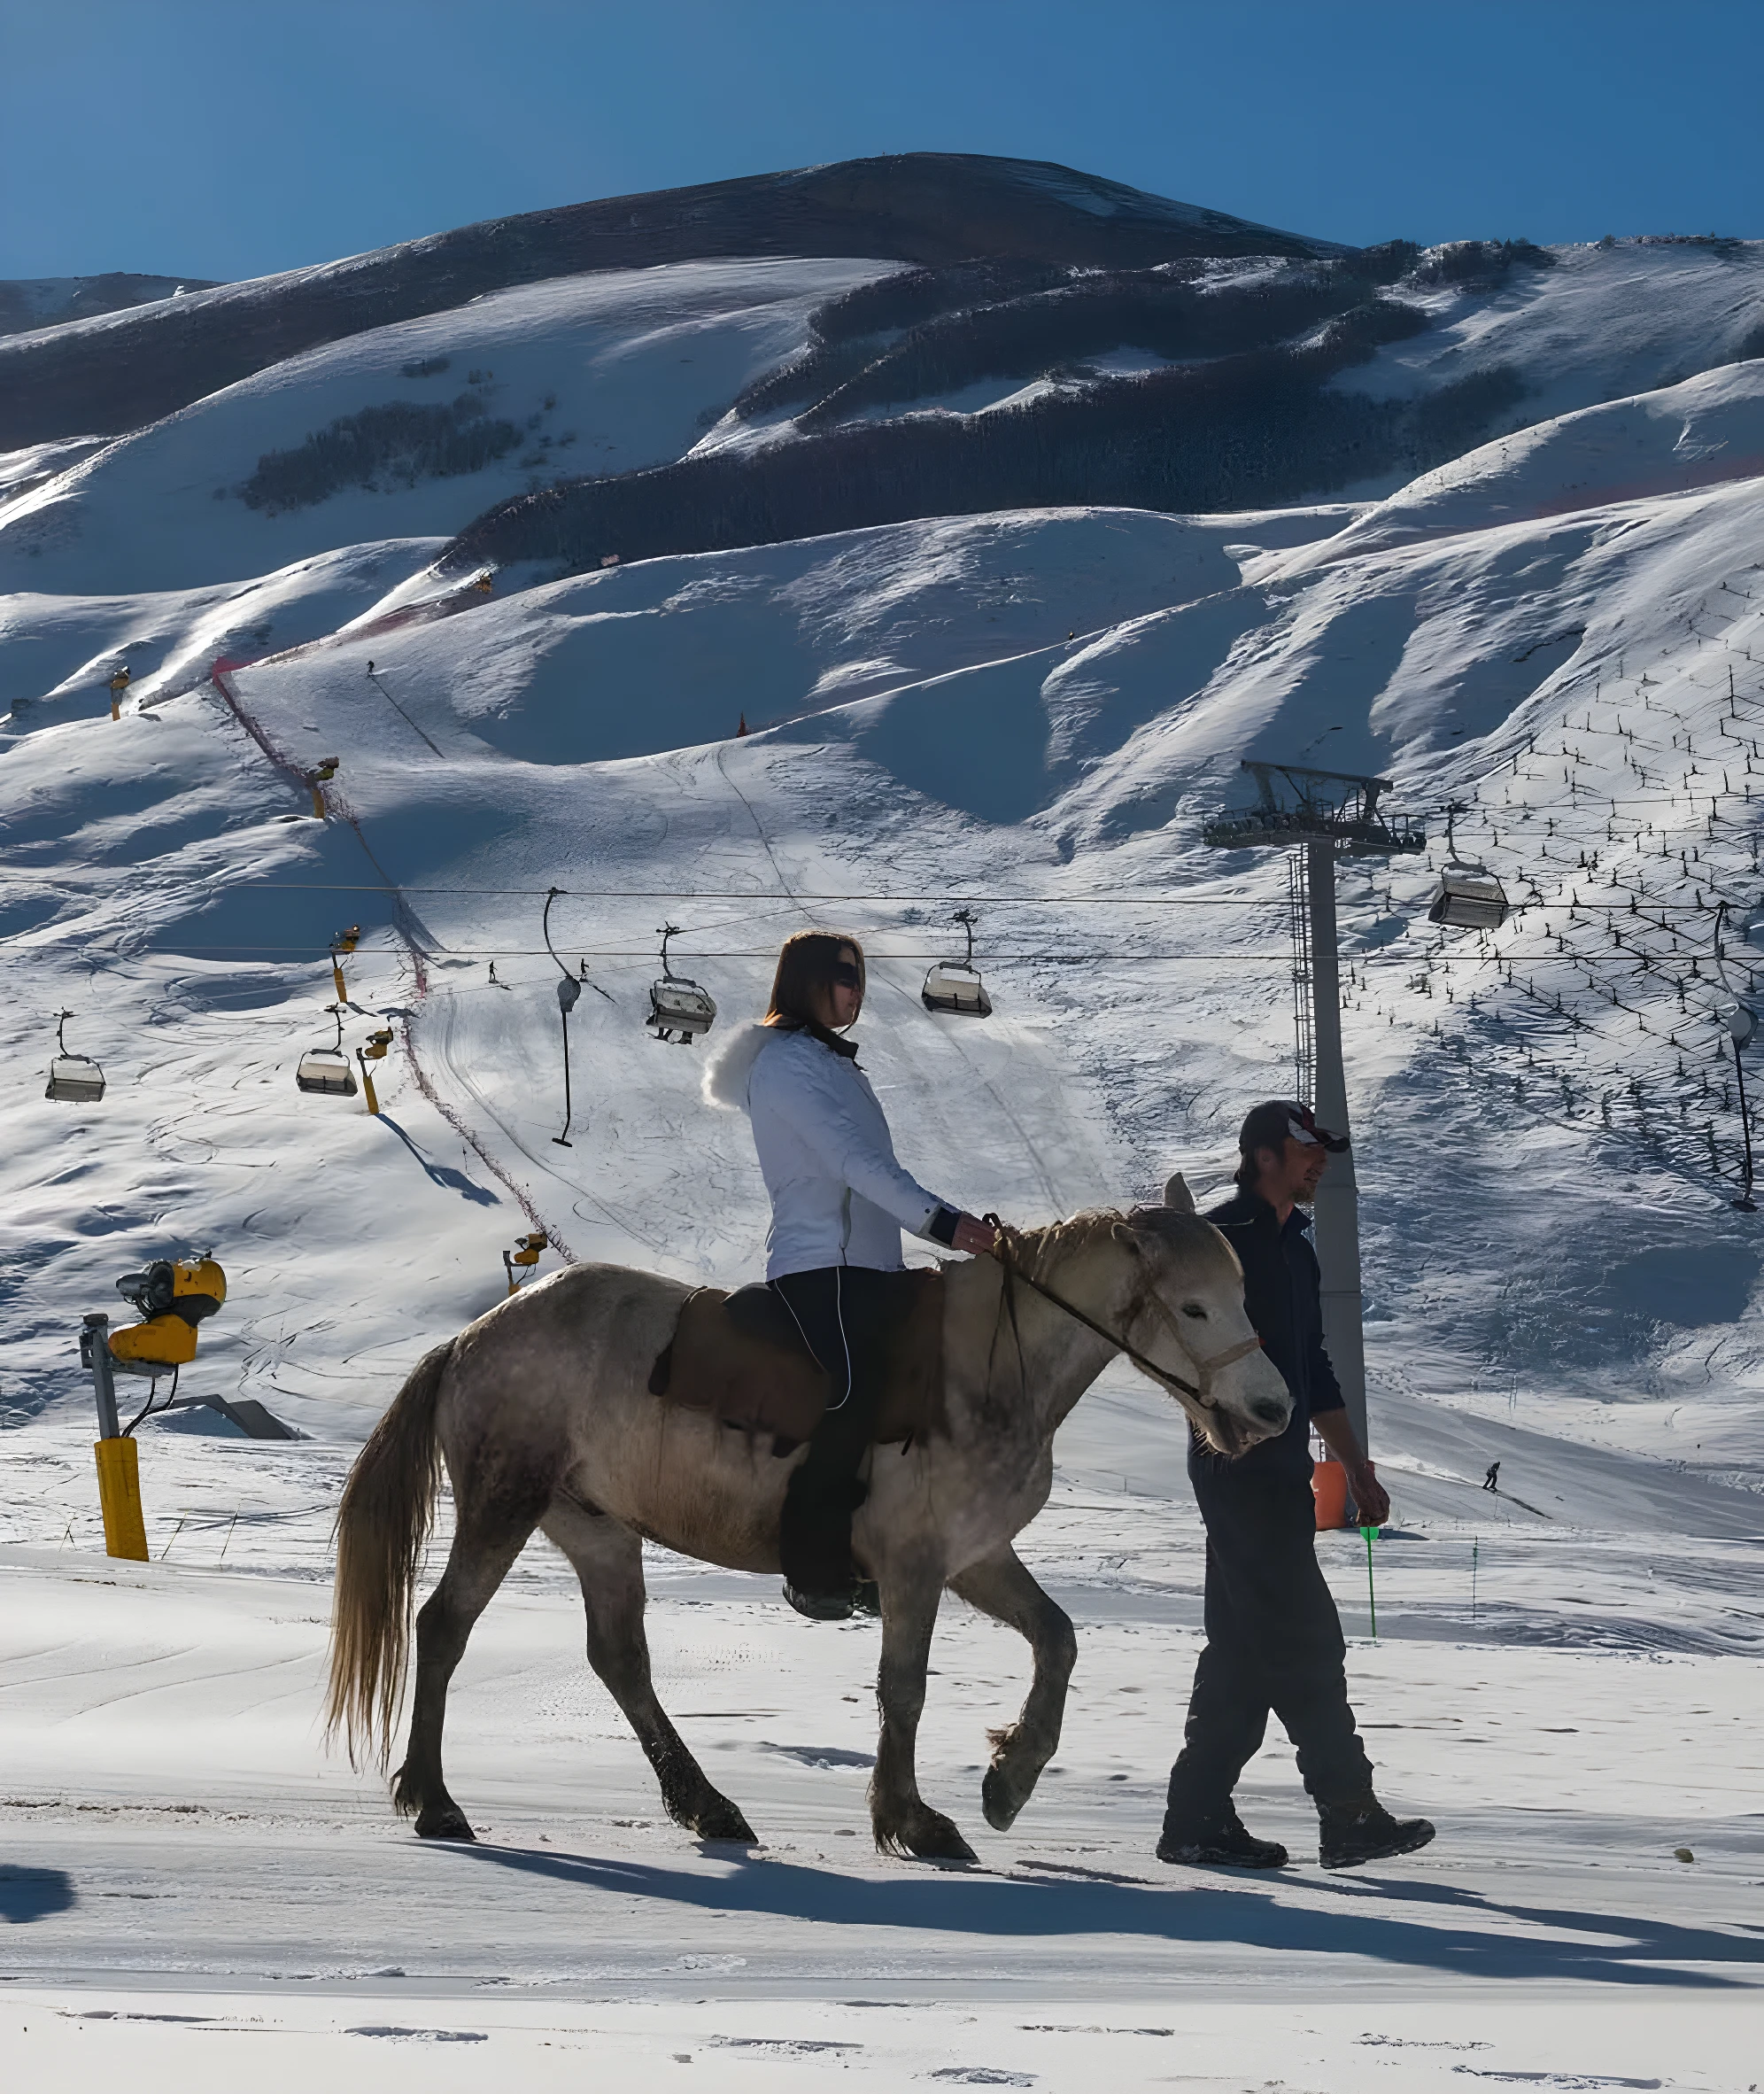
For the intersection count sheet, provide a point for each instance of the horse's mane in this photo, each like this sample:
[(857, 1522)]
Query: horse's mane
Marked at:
[(1037, 1250)]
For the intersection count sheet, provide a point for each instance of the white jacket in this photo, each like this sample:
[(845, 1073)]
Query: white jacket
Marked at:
[(838, 1196)]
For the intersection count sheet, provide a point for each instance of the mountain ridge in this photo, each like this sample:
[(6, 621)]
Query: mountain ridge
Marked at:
[(115, 373)]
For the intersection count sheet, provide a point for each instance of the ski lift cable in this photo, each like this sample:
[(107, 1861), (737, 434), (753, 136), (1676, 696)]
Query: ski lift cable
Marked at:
[(1125, 954)]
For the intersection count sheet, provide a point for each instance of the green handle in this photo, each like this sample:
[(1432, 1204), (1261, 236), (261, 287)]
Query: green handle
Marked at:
[(1371, 1594)]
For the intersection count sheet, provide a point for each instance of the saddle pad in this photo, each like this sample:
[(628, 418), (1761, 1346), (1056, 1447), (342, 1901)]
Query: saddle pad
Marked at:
[(740, 1357)]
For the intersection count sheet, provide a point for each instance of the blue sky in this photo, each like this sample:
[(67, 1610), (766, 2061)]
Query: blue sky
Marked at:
[(229, 138)]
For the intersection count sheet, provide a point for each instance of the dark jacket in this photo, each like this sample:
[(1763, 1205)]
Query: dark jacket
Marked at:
[(1283, 1292)]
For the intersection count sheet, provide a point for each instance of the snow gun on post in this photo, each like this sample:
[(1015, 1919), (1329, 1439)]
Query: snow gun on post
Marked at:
[(375, 1050), (342, 945), (525, 1255), (172, 1297), (317, 779)]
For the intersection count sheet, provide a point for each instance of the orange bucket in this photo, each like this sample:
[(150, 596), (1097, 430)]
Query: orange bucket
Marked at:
[(1329, 1490)]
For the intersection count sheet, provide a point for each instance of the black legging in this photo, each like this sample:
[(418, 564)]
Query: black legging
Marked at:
[(842, 1311)]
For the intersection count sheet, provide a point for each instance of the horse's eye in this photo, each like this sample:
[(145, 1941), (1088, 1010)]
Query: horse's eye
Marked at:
[(1193, 1308)]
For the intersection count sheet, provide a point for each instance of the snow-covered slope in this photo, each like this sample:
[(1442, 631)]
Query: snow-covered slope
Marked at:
[(941, 735), (585, 374), (28, 303), (1608, 320)]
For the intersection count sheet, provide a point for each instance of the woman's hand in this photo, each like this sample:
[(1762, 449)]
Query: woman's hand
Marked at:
[(977, 1237)]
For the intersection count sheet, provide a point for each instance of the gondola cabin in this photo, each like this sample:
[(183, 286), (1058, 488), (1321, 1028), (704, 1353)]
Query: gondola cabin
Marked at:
[(954, 986), (325, 1071), (74, 1078), (1470, 898), (680, 1010)]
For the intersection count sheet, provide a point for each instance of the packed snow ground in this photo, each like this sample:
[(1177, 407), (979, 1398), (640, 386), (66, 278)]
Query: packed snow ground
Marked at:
[(1035, 711)]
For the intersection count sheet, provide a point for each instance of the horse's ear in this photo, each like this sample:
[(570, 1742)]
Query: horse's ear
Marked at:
[(1177, 1195)]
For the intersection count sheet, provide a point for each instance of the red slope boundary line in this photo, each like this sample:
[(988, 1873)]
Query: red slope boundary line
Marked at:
[(334, 802)]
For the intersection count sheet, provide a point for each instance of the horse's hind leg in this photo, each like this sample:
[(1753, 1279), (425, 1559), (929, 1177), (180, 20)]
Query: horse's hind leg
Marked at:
[(486, 1542), (999, 1586), (608, 1560)]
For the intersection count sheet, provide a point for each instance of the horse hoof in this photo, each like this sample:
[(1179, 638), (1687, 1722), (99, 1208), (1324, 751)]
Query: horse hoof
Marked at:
[(444, 1821), (930, 1836), (997, 1801), (722, 1820)]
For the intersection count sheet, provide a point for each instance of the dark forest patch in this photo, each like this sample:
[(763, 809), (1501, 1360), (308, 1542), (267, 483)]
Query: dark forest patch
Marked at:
[(1252, 430), (396, 444)]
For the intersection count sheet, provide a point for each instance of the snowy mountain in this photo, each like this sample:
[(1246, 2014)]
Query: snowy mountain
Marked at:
[(117, 373)]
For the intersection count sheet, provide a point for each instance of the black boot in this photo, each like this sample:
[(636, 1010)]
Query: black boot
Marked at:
[(1359, 1828), (1220, 1840), (815, 1545)]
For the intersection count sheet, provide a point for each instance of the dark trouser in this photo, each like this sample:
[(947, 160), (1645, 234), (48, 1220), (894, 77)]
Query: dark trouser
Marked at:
[(842, 1311), (1273, 1643)]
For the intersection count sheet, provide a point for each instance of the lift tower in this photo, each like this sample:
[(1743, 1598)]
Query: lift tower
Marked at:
[(1322, 815)]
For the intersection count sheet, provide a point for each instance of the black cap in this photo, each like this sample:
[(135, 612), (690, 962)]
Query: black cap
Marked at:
[(1271, 1126)]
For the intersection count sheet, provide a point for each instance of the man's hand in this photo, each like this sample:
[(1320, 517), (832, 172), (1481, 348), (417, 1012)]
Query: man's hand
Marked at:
[(977, 1237), (1370, 1497), (1333, 1429)]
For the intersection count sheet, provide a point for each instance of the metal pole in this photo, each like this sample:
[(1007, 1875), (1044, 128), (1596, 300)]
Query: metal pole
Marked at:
[(1744, 1203), (1338, 1204), (95, 1354), (563, 1140)]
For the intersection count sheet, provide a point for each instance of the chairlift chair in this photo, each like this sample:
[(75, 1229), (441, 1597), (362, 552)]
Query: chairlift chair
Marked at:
[(74, 1078), (325, 1070), (955, 985), (1470, 897), (679, 1008)]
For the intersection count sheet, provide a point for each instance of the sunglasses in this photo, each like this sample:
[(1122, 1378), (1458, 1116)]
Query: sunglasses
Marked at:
[(845, 974)]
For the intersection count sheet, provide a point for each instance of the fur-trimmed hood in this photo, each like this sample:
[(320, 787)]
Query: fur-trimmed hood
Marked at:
[(727, 1073)]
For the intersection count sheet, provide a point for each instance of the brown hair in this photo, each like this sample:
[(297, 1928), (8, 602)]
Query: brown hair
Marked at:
[(805, 966)]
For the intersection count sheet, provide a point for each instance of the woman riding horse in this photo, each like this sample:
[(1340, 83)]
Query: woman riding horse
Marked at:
[(838, 1203)]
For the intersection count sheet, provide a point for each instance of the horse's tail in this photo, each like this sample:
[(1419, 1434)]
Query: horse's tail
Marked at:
[(382, 1525)]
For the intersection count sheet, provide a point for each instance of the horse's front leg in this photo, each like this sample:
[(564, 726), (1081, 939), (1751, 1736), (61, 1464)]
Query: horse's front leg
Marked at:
[(999, 1586), (904, 1823)]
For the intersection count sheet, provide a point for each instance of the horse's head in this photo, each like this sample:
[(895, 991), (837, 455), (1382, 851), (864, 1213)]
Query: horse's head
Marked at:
[(1186, 1317)]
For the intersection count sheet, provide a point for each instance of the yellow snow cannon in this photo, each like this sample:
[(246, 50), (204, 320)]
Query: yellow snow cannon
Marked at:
[(375, 1050), (342, 943), (173, 1296), (524, 1255), (318, 778), (485, 583), (119, 684)]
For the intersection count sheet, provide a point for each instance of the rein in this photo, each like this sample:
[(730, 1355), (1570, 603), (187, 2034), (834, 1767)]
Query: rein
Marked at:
[(1205, 1368)]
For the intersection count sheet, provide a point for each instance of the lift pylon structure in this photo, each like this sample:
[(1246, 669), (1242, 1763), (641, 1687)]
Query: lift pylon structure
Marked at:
[(1326, 814)]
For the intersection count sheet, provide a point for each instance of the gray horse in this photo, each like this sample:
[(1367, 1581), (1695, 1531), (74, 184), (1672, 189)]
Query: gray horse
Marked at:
[(542, 1414)]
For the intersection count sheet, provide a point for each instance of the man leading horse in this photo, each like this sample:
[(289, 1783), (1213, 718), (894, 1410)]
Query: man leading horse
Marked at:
[(1275, 1639)]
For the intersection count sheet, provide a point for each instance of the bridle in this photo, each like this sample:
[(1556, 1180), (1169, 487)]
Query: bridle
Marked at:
[(1200, 1390)]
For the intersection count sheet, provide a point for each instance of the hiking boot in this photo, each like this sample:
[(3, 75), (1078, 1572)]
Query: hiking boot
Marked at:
[(1221, 1841), (1361, 1829), (834, 1606), (866, 1598)]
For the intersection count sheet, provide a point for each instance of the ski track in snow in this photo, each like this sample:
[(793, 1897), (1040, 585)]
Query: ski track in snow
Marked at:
[(1563, 631)]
